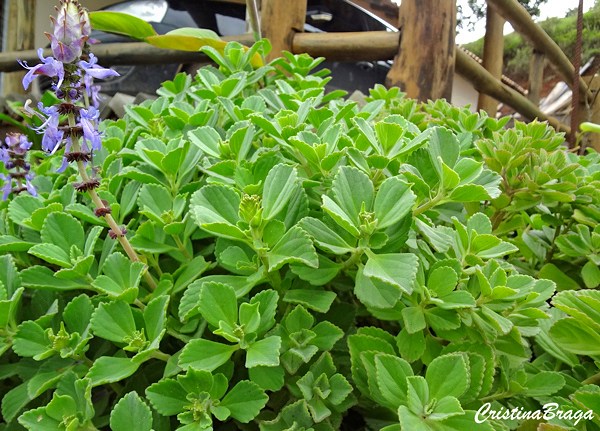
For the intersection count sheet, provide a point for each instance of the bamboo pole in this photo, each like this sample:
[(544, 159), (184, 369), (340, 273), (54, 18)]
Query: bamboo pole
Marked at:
[(536, 76), (20, 36), (351, 46), (424, 65), (484, 82), (493, 52), (117, 54), (522, 22), (280, 21)]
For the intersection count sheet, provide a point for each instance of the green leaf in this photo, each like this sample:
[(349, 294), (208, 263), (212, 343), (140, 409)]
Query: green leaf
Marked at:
[(575, 337), (268, 378), (294, 246), (324, 237), (445, 408), (394, 200), (411, 346), (153, 201), (218, 303), (131, 414), (351, 189), (155, 317), (191, 272), (278, 189), (268, 307), (317, 300), (391, 378), (326, 335), (113, 321), (448, 375), (544, 383), (563, 281), (245, 400), (38, 420), (374, 292), (122, 24), (397, 269), (52, 254), (326, 271), (205, 354), (168, 397), (207, 139), (216, 210), (63, 230), (591, 275), (264, 353), (414, 319), (32, 341), (442, 281), (42, 277), (121, 274), (108, 369)]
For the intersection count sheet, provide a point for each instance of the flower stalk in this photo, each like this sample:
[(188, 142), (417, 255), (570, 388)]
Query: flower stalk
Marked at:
[(73, 68)]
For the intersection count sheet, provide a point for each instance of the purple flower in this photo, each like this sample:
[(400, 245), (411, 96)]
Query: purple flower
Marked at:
[(52, 135), (91, 68), (92, 90), (88, 119), (7, 188), (12, 152), (49, 67), (65, 162)]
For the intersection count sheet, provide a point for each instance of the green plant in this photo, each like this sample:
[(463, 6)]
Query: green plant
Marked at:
[(303, 264)]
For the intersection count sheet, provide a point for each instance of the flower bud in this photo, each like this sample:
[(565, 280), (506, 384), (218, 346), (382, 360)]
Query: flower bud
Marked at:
[(71, 30)]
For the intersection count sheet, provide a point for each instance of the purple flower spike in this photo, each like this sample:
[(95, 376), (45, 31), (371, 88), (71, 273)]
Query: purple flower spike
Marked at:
[(49, 67), (71, 30)]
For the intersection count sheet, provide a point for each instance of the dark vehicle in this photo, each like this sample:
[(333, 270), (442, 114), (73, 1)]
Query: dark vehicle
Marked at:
[(228, 19)]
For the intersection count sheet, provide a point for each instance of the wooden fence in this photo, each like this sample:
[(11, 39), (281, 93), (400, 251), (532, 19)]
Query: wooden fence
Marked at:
[(424, 51)]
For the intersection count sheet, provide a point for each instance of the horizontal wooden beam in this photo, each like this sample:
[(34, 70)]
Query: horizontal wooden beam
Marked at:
[(365, 46), (522, 22), (484, 82), (118, 54)]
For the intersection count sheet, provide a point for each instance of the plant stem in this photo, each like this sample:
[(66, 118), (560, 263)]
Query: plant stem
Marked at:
[(429, 204), (182, 248), (594, 380), (160, 355), (109, 219)]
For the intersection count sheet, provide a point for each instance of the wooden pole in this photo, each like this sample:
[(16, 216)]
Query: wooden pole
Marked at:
[(20, 36), (424, 65), (522, 22), (493, 52), (536, 76), (280, 21), (484, 82)]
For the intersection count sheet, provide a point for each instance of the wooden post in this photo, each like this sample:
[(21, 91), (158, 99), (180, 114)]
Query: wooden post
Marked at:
[(493, 52), (536, 76), (19, 37), (424, 65), (280, 20)]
